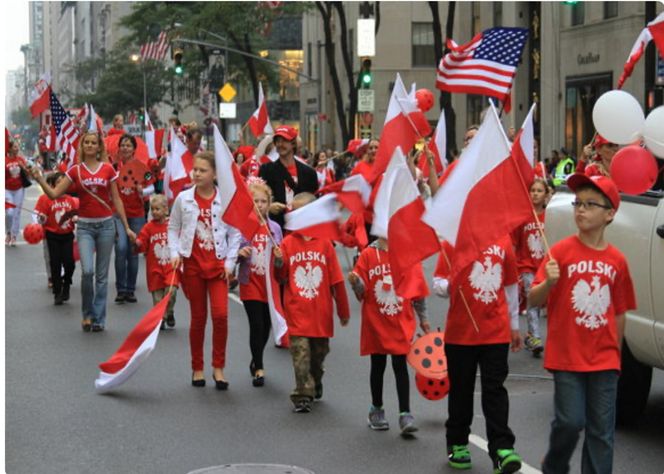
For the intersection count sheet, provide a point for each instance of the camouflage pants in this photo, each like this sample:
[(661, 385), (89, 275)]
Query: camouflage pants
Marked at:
[(308, 355), (159, 294)]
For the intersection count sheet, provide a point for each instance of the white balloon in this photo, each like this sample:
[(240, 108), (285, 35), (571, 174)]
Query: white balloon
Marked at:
[(618, 117), (653, 132)]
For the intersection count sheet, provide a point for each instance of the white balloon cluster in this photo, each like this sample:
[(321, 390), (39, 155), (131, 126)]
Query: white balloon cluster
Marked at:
[(619, 118)]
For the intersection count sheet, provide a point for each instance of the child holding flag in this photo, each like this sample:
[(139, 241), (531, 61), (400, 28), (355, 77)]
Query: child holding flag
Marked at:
[(313, 278), (388, 327), (199, 239), (153, 241)]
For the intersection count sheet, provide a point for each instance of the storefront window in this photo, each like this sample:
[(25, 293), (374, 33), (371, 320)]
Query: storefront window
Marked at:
[(581, 93), (422, 44)]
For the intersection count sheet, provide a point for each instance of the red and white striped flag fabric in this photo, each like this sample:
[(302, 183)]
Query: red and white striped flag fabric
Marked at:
[(66, 131), (319, 219), (259, 122), (153, 138), (653, 30), (438, 146), (404, 124), (155, 49), (40, 95), (277, 318), (139, 344), (523, 150), (237, 203), (483, 198), (353, 193), (175, 173), (486, 65), (49, 141)]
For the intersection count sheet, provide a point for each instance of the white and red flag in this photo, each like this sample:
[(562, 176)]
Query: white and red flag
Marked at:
[(259, 122), (95, 124), (155, 49), (438, 146), (653, 31), (40, 96), (483, 198), (277, 318), (153, 138), (49, 140), (175, 174), (404, 124), (353, 193), (486, 65), (319, 219), (139, 344), (523, 149), (237, 203)]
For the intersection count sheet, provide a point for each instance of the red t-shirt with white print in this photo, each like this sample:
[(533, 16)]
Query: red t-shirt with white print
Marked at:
[(388, 322), (203, 260), (311, 268), (97, 183), (13, 172), (482, 284), (529, 247), (255, 289), (153, 241), (594, 286), (55, 211)]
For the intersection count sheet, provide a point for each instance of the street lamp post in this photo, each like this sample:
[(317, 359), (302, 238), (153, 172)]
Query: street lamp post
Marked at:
[(25, 49), (136, 58)]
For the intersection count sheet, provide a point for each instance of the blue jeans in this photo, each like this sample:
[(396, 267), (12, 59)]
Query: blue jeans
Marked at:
[(583, 400), (99, 237), (126, 261), (13, 215)]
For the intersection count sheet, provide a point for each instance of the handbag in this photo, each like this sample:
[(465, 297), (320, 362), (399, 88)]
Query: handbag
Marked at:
[(25, 180)]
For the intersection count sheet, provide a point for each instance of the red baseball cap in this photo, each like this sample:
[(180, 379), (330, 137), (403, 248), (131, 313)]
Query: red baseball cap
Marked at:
[(284, 131), (603, 184)]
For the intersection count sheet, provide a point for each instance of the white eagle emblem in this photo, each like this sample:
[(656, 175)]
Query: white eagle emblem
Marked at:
[(535, 246), (162, 253), (486, 278), (308, 279), (126, 191), (58, 217), (14, 170), (204, 234), (591, 301), (258, 260), (388, 301)]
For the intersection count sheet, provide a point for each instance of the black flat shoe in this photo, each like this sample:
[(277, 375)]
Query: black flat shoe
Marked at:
[(130, 298), (97, 328), (197, 383), (258, 381), (120, 298), (252, 368), (220, 384)]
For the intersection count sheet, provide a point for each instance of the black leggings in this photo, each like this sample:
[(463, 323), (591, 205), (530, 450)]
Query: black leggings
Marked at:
[(61, 255), (258, 314), (378, 363)]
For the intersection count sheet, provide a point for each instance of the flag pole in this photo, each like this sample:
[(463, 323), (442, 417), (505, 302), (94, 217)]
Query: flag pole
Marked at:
[(463, 297)]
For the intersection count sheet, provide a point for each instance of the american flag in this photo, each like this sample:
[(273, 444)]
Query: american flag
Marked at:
[(486, 65), (155, 49), (66, 131)]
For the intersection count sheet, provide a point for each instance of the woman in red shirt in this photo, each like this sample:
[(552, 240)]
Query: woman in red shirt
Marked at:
[(126, 261), (324, 173), (14, 192), (94, 180)]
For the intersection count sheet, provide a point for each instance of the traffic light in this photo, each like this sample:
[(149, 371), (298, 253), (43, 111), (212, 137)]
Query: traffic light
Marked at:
[(141, 115), (365, 74), (177, 59)]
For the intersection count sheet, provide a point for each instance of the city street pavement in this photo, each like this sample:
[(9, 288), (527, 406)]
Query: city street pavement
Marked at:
[(158, 423)]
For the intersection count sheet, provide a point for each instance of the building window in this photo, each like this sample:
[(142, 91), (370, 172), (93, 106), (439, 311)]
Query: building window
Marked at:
[(474, 106), (610, 10), (475, 17), (581, 93), (309, 59), (578, 13), (422, 39), (497, 13)]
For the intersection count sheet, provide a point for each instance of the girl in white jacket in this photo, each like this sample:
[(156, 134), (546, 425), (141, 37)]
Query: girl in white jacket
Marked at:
[(207, 248)]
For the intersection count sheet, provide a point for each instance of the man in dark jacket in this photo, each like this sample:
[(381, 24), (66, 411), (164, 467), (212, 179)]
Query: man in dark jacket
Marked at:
[(288, 175)]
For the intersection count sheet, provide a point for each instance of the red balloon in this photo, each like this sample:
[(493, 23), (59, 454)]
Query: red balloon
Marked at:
[(432, 389), (425, 99), (33, 233), (634, 170), (427, 356)]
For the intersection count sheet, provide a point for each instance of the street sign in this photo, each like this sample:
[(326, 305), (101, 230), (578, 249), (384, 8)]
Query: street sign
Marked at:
[(660, 71), (227, 92), (365, 132), (366, 37), (227, 111), (365, 100), (133, 128)]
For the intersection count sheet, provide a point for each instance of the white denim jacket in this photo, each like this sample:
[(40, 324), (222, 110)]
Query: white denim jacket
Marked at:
[(182, 228)]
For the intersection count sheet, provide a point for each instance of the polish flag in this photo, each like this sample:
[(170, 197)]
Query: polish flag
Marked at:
[(237, 203), (438, 146), (40, 96), (94, 122), (523, 150), (49, 141), (9, 205), (353, 192), (483, 198), (139, 344), (153, 138), (277, 318), (175, 173), (409, 239), (404, 124), (259, 122), (653, 31), (319, 219)]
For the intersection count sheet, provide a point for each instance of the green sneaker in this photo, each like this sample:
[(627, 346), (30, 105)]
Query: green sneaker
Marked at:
[(458, 456), (506, 461)]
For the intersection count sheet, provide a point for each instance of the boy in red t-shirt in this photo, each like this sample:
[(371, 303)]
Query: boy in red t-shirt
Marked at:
[(312, 278), (587, 289), (388, 327), (153, 241), (482, 324)]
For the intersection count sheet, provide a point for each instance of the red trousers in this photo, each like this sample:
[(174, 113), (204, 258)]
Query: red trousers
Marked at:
[(197, 291)]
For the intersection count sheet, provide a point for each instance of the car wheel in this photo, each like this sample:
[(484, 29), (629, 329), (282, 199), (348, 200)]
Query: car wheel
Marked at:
[(633, 388)]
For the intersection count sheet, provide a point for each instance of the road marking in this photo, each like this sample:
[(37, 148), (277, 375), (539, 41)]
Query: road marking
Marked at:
[(235, 298), (483, 445)]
